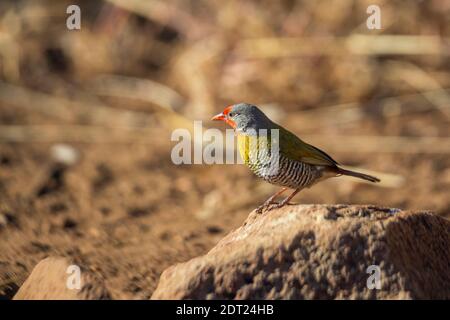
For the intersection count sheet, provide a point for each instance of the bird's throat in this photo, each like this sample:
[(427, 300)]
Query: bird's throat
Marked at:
[(231, 123)]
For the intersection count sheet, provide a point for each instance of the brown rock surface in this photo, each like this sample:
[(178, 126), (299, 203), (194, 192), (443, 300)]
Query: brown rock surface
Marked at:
[(320, 252), (48, 281)]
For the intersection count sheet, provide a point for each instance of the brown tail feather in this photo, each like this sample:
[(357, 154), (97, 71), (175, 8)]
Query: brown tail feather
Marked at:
[(358, 175)]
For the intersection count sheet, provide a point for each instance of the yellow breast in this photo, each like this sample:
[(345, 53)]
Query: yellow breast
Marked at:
[(250, 146), (244, 147)]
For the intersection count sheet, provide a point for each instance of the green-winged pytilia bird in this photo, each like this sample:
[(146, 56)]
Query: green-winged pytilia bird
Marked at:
[(290, 163)]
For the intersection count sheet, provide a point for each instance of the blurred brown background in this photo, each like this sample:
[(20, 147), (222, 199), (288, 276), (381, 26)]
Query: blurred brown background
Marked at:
[(86, 118)]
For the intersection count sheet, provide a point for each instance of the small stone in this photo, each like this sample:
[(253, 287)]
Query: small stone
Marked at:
[(64, 154), (3, 220), (54, 278)]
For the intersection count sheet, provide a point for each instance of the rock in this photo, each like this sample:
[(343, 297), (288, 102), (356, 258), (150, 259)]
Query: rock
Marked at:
[(53, 279), (321, 252)]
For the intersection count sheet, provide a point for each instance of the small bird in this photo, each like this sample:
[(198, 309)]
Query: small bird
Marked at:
[(277, 155)]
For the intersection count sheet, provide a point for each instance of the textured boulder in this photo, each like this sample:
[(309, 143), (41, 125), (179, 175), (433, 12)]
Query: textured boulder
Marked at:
[(321, 252), (51, 279)]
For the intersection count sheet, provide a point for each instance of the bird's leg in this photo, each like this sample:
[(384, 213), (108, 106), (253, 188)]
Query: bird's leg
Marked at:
[(270, 200), (288, 198)]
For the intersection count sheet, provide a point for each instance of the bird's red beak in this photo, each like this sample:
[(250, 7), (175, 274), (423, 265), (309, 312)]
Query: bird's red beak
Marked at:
[(219, 116), (224, 117)]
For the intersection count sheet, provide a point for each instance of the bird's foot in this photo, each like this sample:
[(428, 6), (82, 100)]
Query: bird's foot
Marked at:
[(270, 206), (278, 205), (265, 206), (269, 201), (261, 208)]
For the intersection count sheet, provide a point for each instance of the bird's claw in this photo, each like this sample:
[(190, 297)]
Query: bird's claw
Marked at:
[(260, 209), (271, 206), (263, 207)]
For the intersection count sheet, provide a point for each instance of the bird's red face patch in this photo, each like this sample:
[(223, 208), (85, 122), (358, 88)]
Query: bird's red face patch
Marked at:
[(225, 117)]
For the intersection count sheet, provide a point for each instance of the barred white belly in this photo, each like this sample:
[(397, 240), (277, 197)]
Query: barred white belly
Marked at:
[(286, 172)]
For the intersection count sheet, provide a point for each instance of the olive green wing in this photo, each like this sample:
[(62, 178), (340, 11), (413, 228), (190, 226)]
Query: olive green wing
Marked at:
[(294, 148)]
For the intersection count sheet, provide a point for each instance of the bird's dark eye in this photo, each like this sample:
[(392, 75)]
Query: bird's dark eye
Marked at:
[(231, 114)]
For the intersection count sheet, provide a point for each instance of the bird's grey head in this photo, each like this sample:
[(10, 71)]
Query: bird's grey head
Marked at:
[(245, 118)]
